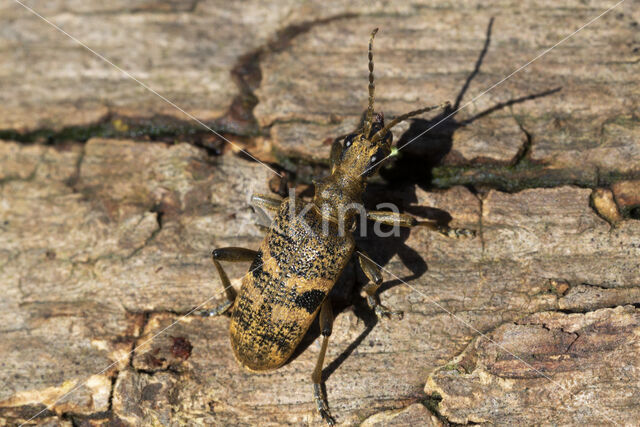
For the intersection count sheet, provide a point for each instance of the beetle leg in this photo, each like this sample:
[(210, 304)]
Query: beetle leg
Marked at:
[(261, 227), (374, 274), (326, 323), (268, 202), (406, 220), (261, 204), (264, 221), (232, 254)]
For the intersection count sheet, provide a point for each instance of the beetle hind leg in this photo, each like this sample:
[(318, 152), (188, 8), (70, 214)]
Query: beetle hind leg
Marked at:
[(232, 254), (319, 393), (374, 274)]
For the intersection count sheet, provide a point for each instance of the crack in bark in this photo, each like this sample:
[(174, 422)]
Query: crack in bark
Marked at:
[(159, 216), (247, 73), (432, 403), (72, 182), (145, 321), (160, 8), (481, 225)]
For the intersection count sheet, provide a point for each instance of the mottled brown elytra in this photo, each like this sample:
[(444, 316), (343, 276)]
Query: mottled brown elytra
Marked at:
[(304, 252)]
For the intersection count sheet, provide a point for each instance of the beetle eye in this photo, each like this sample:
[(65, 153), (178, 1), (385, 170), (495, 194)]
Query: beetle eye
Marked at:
[(348, 140), (378, 156)]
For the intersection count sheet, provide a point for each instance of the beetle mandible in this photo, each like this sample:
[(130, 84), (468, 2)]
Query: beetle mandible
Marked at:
[(305, 250)]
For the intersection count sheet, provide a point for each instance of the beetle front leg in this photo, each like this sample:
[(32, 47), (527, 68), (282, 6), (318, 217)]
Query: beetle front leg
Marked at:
[(374, 274), (262, 203), (232, 254), (268, 202), (406, 220), (326, 324)]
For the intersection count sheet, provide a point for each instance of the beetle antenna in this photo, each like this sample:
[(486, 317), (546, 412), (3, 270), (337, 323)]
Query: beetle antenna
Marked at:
[(372, 87), (382, 132)]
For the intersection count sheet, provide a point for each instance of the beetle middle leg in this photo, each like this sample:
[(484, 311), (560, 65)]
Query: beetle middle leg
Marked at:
[(326, 325), (232, 254), (406, 220), (374, 274)]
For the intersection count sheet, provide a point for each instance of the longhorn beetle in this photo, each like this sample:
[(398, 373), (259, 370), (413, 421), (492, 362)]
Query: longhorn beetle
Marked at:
[(305, 250)]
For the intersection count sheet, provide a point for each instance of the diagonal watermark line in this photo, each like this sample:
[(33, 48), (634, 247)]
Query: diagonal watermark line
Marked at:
[(126, 73), (467, 324), (136, 347), (500, 82)]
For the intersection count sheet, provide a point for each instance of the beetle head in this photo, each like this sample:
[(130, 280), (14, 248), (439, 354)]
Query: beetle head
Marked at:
[(362, 154), (363, 151)]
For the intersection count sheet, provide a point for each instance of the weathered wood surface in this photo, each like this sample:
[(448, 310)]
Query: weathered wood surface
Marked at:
[(111, 200)]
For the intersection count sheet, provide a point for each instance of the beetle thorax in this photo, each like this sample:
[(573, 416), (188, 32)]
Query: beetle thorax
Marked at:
[(339, 196)]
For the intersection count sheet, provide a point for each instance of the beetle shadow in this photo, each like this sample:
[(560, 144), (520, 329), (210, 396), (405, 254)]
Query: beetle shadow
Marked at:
[(428, 141), (433, 139)]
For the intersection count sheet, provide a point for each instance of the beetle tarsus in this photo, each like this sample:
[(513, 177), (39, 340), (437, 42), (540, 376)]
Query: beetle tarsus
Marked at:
[(382, 311), (456, 233), (321, 404), (374, 274), (385, 313)]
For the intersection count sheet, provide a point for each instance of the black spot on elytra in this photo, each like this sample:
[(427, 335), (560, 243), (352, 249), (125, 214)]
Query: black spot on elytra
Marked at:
[(310, 300)]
